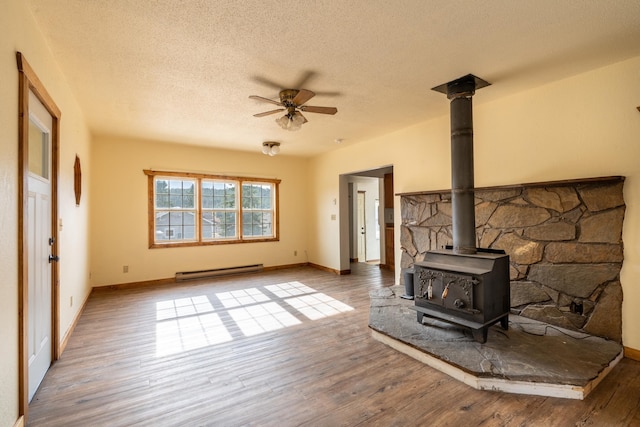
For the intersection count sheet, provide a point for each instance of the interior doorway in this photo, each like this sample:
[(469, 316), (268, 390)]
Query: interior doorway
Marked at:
[(364, 198)]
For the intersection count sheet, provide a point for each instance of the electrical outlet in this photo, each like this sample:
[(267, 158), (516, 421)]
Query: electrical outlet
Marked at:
[(125, 268), (295, 253), (71, 301)]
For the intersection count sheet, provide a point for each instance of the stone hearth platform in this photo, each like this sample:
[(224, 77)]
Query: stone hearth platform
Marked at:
[(530, 358)]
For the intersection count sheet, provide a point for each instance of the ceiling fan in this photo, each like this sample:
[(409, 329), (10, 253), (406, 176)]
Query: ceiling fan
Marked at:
[(292, 101)]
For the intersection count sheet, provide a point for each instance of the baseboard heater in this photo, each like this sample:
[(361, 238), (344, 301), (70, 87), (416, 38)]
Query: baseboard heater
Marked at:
[(204, 274)]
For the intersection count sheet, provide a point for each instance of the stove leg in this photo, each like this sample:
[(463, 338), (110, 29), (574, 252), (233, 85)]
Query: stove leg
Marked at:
[(480, 335), (504, 322), (420, 316)]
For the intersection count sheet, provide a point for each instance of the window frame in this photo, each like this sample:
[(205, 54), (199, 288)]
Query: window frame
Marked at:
[(152, 175)]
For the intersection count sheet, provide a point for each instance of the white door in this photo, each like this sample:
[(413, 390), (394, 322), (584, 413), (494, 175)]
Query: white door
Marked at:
[(362, 229), (39, 234)]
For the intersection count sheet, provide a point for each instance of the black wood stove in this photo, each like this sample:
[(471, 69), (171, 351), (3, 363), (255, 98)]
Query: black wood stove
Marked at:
[(463, 284)]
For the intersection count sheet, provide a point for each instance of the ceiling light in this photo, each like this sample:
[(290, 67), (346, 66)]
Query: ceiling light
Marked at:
[(271, 148), (290, 121)]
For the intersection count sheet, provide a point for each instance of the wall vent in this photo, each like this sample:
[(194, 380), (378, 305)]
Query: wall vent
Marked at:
[(204, 274)]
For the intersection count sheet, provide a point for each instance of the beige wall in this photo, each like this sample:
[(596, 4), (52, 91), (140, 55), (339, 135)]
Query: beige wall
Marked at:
[(19, 33), (584, 126), (119, 210)]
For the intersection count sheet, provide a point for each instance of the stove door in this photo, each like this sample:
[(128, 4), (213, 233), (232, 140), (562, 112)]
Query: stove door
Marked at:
[(448, 290)]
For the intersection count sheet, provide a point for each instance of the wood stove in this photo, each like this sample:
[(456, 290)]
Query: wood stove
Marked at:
[(462, 284), (465, 289)]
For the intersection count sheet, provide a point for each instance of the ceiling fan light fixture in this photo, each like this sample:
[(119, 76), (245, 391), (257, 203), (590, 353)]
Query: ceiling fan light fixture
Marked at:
[(290, 122), (270, 148)]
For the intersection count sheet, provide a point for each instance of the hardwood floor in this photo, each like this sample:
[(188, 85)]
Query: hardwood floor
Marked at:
[(193, 354)]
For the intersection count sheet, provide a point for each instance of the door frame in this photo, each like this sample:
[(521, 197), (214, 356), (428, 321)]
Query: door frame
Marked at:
[(28, 80), (347, 207)]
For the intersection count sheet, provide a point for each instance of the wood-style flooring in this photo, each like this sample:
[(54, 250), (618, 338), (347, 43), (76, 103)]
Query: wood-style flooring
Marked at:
[(280, 348)]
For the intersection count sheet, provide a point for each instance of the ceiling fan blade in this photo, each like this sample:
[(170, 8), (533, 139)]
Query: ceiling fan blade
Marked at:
[(270, 101), (321, 110), (267, 82), (302, 96), (304, 79), (267, 113)]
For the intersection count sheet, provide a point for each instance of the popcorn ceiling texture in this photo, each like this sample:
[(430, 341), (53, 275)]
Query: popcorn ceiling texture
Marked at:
[(564, 241)]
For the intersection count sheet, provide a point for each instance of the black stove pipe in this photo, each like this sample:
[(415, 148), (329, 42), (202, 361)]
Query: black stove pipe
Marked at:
[(460, 92)]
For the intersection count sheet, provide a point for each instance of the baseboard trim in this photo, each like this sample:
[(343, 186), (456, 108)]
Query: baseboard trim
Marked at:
[(172, 280), (19, 422), (67, 335), (130, 285), (285, 266), (330, 270), (632, 353)]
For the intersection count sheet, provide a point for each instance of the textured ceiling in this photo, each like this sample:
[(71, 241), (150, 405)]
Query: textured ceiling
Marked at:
[(182, 71)]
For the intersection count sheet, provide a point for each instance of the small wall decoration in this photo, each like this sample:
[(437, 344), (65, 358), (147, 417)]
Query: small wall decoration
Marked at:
[(77, 180)]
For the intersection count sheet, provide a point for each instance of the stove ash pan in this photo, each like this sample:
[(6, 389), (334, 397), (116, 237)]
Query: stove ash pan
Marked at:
[(471, 290)]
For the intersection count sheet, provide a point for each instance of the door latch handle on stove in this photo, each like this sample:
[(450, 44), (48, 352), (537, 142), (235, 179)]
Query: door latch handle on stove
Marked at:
[(53, 258), (445, 292)]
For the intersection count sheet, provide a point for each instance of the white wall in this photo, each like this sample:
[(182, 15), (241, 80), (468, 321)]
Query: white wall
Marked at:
[(20, 33), (119, 221), (584, 126)]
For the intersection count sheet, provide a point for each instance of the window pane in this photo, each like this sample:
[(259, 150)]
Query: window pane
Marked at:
[(161, 232), (188, 201), (175, 186), (38, 150), (172, 225), (188, 218), (181, 193), (189, 232), (207, 188), (207, 202), (267, 230), (162, 201), (266, 202), (207, 225), (162, 186), (230, 217)]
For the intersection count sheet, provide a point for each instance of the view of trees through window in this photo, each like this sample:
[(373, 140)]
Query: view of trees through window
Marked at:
[(205, 209)]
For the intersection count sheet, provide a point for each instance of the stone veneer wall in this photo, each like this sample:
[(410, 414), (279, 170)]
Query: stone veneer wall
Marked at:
[(564, 240)]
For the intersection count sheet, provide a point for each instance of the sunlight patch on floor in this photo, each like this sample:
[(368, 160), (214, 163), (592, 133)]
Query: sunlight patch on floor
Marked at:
[(242, 297), (189, 323), (261, 318), (317, 306), (186, 324)]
